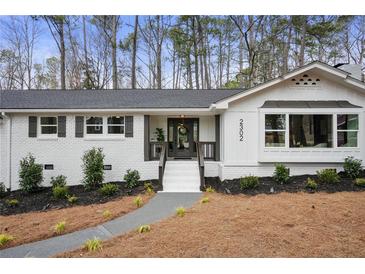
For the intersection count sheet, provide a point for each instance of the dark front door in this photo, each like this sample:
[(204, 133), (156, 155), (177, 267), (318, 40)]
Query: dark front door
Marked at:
[(182, 134)]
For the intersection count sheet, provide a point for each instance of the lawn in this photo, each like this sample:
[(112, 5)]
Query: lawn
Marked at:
[(279, 225), (33, 226)]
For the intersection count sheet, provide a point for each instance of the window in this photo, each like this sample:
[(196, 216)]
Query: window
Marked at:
[(275, 130), (94, 125), (48, 125), (115, 125), (310, 130), (347, 130)]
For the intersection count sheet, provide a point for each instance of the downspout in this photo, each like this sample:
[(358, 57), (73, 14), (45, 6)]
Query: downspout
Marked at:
[(9, 146)]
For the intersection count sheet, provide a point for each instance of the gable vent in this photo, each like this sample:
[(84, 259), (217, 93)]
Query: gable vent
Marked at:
[(305, 80)]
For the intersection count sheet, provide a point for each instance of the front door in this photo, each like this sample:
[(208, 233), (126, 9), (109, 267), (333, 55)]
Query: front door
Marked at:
[(182, 135)]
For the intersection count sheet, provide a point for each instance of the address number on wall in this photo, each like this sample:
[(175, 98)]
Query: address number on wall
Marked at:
[(241, 130)]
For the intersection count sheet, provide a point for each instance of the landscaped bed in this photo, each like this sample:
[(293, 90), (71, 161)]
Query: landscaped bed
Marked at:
[(282, 225), (43, 198), (295, 184), (33, 226)]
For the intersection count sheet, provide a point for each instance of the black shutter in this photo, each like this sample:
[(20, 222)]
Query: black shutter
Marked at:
[(79, 126), (32, 129), (61, 126), (129, 126)]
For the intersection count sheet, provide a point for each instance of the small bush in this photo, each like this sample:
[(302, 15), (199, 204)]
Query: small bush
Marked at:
[(328, 176), (180, 211), (72, 199), (149, 188), (281, 174), (93, 245), (60, 192), (5, 238), (210, 189), (352, 167), (249, 182), (144, 228), (93, 168), (108, 189), (131, 178), (311, 184), (12, 202), (204, 200), (60, 227), (360, 182), (107, 214), (30, 174), (138, 201), (59, 180), (2, 189)]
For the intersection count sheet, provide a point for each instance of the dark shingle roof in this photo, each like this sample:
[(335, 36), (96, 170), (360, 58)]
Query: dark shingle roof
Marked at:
[(308, 104), (111, 99)]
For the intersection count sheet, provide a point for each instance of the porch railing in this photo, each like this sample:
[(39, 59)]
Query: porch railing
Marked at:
[(208, 150), (200, 157), (162, 164), (155, 150)]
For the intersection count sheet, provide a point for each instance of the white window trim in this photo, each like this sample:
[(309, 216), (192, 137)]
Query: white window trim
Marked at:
[(348, 130), (288, 112), (105, 135), (276, 130), (43, 135)]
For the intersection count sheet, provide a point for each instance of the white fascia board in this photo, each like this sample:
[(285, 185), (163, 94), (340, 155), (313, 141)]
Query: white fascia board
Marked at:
[(223, 104), (310, 110)]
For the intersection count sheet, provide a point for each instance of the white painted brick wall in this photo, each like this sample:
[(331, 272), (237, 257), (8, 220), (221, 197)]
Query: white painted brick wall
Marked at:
[(66, 153)]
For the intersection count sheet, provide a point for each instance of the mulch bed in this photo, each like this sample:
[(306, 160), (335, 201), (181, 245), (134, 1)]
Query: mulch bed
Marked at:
[(296, 184), (43, 199)]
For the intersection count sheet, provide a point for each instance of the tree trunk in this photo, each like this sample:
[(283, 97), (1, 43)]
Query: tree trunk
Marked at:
[(114, 52), (158, 55), (302, 41), (287, 48), (196, 58), (134, 53), (240, 58), (63, 55)]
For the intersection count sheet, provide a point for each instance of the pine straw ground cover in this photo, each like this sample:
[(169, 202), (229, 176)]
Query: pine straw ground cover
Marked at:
[(280, 225), (33, 226)]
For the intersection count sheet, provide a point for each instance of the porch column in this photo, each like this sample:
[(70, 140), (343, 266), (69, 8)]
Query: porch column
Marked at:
[(146, 137), (217, 137)]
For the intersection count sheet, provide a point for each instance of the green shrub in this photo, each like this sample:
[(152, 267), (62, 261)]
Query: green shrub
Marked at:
[(281, 174), (360, 182), (30, 174), (93, 245), (180, 211), (311, 184), (210, 189), (60, 192), (144, 228), (204, 200), (352, 167), (108, 189), (2, 189), (328, 176), (72, 199), (149, 188), (93, 168), (131, 178), (12, 202), (138, 201), (107, 214), (60, 227), (5, 238), (59, 180), (249, 182)]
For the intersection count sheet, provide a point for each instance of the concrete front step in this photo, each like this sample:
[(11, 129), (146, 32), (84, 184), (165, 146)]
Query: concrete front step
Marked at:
[(181, 176)]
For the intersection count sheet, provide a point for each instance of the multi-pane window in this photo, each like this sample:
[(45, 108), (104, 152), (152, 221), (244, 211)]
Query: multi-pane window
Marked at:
[(310, 130), (94, 125), (48, 125), (347, 130), (115, 125), (275, 128)]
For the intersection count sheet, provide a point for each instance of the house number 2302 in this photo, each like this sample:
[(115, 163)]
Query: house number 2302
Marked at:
[(241, 130)]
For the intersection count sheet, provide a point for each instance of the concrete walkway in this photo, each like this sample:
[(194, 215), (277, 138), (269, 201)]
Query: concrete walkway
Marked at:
[(161, 206)]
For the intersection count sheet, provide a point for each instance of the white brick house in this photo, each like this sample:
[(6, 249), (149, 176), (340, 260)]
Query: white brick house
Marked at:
[(310, 118)]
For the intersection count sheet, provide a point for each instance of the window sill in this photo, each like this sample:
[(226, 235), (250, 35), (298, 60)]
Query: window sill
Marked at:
[(103, 138), (47, 138)]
